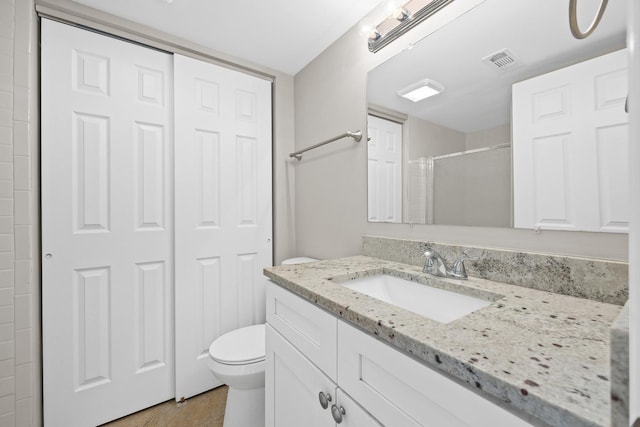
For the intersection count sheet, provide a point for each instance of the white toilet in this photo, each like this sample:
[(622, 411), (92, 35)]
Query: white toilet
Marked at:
[(237, 359)]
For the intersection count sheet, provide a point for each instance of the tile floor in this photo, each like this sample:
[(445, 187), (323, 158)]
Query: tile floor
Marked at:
[(203, 410)]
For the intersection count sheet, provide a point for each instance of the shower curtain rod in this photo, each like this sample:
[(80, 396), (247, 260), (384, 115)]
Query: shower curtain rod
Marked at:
[(357, 136)]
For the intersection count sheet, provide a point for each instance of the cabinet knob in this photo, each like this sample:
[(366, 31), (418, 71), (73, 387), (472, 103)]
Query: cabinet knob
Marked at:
[(324, 399), (337, 413)]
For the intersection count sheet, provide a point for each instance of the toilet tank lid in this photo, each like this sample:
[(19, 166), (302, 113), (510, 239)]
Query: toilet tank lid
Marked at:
[(240, 346), (298, 260)]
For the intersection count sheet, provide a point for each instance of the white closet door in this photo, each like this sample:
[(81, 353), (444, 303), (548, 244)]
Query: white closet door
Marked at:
[(223, 210), (384, 152), (106, 227)]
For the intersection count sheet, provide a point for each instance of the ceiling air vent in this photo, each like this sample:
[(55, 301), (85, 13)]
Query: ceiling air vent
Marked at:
[(502, 60)]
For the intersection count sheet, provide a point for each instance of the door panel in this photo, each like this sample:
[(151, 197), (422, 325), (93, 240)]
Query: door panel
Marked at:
[(570, 147), (384, 153), (223, 210), (106, 226)]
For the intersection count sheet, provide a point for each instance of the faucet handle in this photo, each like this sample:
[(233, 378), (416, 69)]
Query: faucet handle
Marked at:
[(459, 271)]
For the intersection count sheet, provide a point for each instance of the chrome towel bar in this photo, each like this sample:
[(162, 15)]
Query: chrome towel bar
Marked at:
[(357, 136)]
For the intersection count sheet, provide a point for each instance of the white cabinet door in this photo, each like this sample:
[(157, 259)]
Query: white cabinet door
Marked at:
[(384, 151), (107, 227), (570, 156), (292, 387), (223, 210)]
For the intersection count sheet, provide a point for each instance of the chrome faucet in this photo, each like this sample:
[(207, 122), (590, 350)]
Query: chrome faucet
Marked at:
[(435, 265)]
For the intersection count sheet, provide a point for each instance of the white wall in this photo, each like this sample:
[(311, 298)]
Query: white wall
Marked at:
[(489, 137), (331, 182), (428, 139)]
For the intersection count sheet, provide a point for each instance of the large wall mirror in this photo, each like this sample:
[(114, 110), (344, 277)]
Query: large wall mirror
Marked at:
[(451, 157)]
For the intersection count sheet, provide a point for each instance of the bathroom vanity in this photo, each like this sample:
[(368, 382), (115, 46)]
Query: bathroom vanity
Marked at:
[(528, 358)]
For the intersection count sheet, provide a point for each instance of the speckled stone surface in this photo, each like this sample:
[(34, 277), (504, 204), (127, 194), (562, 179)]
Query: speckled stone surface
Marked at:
[(599, 280), (620, 369), (540, 353)]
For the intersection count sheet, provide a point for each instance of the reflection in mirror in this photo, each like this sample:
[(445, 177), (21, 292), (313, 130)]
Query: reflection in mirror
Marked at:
[(459, 152)]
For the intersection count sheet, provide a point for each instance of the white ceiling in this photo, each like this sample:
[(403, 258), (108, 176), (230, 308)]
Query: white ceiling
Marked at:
[(284, 35), (477, 97)]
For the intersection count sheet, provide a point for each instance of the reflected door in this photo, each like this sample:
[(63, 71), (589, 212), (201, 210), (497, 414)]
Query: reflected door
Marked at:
[(384, 152), (570, 147), (107, 218)]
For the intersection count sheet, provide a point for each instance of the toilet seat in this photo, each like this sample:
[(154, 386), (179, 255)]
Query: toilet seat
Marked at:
[(240, 346)]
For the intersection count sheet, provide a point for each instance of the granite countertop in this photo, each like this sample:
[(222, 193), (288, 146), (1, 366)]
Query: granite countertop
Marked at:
[(544, 354)]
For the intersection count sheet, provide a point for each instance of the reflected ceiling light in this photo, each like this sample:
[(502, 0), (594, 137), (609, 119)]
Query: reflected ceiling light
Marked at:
[(402, 20), (421, 90)]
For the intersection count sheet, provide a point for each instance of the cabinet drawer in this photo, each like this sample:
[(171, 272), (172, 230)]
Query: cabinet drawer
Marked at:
[(309, 328), (400, 391)]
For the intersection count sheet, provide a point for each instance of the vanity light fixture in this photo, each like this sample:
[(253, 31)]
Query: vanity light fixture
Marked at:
[(402, 20), (401, 14), (423, 89)]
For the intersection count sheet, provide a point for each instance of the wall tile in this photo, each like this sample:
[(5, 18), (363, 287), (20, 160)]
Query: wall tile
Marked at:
[(6, 171), (6, 314), (6, 135), (6, 350), (22, 208), (7, 368), (22, 173), (6, 117), (21, 103), (6, 278), (7, 405), (23, 346), (8, 420), (6, 99), (6, 261), (23, 277), (23, 381), (22, 37), (22, 311), (21, 144), (6, 332), (6, 296), (7, 7), (6, 153), (23, 10), (23, 242), (6, 189), (22, 69), (6, 81), (6, 25), (6, 225), (7, 64), (6, 242), (6, 48), (23, 412), (7, 386)]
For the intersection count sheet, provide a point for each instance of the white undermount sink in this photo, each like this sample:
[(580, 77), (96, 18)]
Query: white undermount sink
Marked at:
[(437, 304)]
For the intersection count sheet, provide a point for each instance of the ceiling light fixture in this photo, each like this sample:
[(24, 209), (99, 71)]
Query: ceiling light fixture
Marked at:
[(423, 89), (402, 20)]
